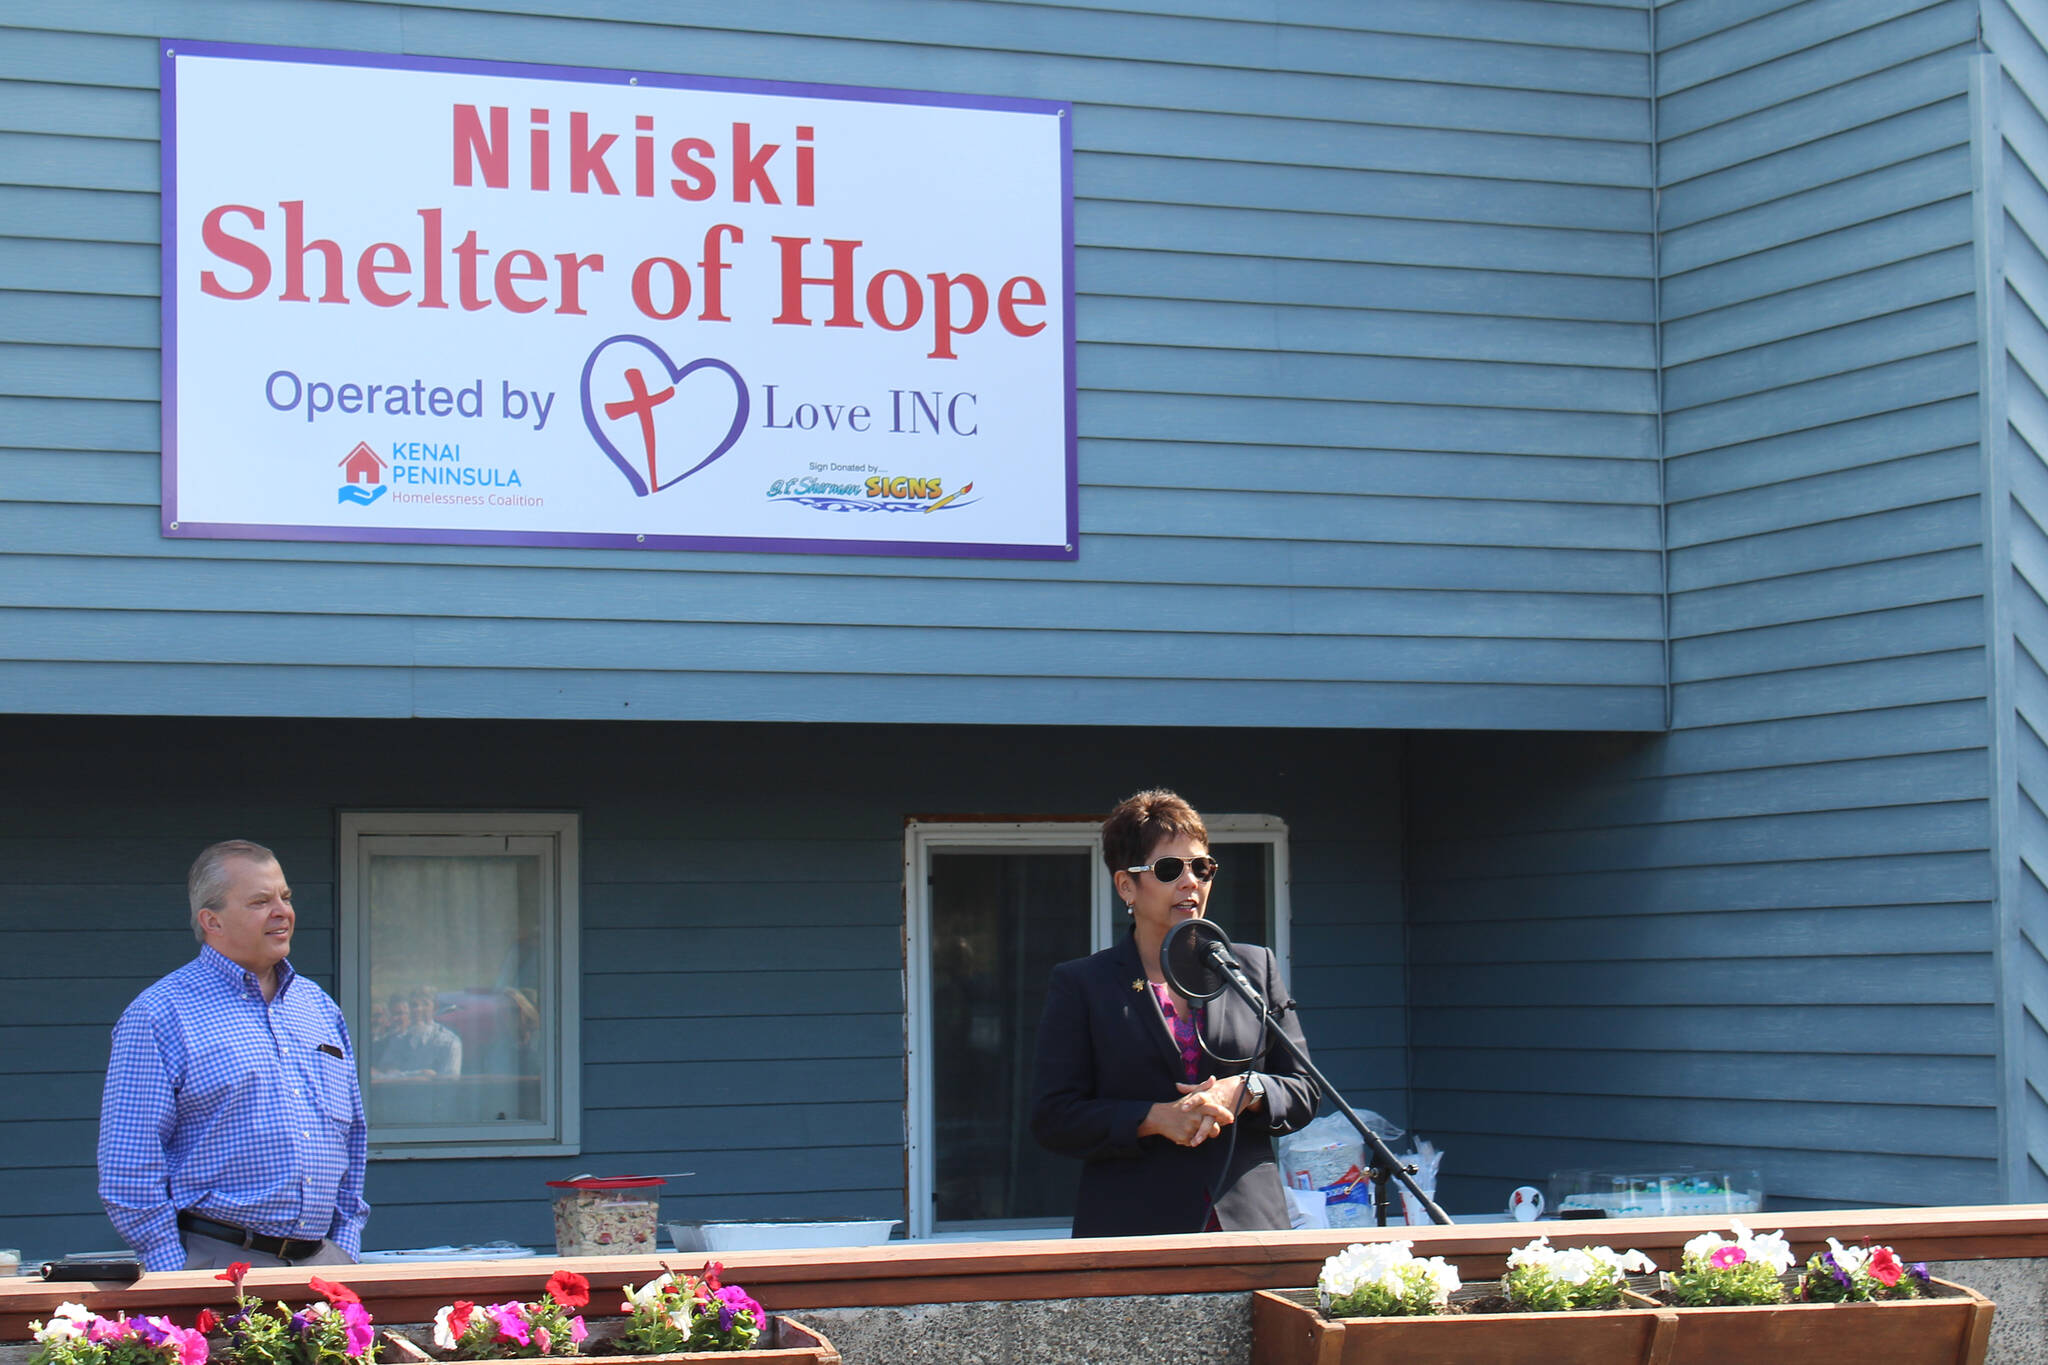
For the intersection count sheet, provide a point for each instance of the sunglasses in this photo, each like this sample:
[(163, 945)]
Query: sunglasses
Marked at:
[(1169, 869)]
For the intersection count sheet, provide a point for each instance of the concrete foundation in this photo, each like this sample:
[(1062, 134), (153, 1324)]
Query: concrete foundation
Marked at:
[(1215, 1329), (1188, 1329)]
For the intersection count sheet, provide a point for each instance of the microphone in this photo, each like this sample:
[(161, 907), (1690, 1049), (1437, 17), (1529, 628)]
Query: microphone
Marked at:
[(1195, 956)]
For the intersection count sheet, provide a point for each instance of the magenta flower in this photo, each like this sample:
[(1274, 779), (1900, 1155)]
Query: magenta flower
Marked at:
[(360, 1333), (191, 1347), (733, 1299), (511, 1323), (577, 1331), (1727, 1256)]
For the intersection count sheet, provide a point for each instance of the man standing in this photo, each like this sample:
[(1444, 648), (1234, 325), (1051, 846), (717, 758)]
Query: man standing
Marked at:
[(232, 1125)]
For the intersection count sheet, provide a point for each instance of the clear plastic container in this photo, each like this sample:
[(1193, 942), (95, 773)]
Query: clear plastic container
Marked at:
[(606, 1215), (1655, 1194)]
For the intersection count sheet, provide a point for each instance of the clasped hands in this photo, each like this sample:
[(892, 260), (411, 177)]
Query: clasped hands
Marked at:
[(1201, 1112)]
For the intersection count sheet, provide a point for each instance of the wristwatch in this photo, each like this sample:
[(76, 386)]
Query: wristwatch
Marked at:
[(1255, 1086)]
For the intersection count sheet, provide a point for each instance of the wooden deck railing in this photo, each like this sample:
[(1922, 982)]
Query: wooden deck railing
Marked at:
[(953, 1272)]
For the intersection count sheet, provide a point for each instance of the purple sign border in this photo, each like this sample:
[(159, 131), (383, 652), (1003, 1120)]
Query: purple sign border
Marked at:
[(170, 50)]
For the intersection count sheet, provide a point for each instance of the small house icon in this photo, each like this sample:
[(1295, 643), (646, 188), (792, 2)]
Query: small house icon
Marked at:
[(361, 465)]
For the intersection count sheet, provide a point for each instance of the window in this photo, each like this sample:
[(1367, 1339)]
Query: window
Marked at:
[(459, 978), (993, 907)]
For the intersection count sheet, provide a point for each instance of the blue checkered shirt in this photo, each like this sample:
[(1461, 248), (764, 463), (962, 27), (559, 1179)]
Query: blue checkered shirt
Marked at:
[(222, 1104)]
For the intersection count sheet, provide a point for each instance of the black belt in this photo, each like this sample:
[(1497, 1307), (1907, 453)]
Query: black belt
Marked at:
[(284, 1248)]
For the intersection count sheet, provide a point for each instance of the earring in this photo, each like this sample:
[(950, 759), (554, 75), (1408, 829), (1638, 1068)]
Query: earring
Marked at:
[(1130, 907)]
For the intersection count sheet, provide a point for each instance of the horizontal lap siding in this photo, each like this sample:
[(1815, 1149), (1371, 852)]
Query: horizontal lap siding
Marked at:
[(1367, 393), (742, 927), (2018, 223), (1765, 939)]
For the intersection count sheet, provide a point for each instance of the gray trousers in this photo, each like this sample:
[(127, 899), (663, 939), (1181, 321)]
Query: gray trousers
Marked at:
[(210, 1253)]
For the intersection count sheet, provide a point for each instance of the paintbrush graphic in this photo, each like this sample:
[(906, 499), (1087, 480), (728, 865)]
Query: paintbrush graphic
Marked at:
[(964, 488)]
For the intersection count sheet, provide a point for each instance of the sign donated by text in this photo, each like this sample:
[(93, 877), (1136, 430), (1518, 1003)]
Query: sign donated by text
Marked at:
[(412, 299)]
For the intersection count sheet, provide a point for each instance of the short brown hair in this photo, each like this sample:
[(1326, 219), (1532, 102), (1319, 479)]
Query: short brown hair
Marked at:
[(1139, 824)]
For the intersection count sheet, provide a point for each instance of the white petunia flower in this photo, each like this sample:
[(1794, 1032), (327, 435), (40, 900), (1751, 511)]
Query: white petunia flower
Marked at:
[(1635, 1263), (1770, 1248), (1705, 1245), (1576, 1266), (1443, 1277), (1359, 1265), (1391, 1268), (68, 1323), (1850, 1259), (61, 1326), (647, 1294)]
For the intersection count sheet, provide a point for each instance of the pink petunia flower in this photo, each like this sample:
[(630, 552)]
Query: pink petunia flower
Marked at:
[(511, 1322), (360, 1333), (1727, 1256), (577, 1331)]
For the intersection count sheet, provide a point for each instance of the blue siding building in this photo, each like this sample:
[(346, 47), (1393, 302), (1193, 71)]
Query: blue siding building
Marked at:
[(1558, 482)]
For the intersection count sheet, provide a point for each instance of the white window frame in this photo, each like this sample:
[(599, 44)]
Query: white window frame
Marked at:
[(921, 839), (480, 832)]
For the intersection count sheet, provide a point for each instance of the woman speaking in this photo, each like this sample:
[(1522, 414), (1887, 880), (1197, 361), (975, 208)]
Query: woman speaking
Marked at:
[(1175, 1138)]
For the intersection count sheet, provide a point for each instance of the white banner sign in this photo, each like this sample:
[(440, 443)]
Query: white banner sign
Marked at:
[(424, 300)]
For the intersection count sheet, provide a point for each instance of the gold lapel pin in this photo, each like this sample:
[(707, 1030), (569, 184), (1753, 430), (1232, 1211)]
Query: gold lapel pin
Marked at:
[(1138, 985)]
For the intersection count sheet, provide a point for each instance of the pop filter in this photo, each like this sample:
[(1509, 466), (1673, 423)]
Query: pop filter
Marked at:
[(1189, 958)]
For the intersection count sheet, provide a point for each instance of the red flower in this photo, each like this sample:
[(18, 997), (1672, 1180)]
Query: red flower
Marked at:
[(234, 1275), (332, 1292), (568, 1289), (458, 1321), (712, 1270), (1885, 1267), (207, 1321)]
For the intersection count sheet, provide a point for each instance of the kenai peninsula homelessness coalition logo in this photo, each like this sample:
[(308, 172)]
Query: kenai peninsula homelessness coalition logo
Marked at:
[(362, 473)]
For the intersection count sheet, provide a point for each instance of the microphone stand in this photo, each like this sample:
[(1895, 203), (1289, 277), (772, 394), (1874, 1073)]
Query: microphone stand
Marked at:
[(1386, 1167)]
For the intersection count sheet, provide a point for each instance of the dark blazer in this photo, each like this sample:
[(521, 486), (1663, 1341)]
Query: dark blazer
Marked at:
[(1105, 1057)]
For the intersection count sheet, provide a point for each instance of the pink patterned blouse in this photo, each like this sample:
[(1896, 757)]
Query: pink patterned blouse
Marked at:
[(1184, 1030)]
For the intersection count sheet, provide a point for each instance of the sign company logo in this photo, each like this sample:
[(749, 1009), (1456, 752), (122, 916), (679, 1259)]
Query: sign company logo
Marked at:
[(837, 490), (362, 473), (651, 416)]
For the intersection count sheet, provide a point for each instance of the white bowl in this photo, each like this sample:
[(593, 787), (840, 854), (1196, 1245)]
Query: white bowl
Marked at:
[(779, 1235)]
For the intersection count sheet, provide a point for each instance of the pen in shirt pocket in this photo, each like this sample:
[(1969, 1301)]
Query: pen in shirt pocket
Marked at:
[(331, 1050)]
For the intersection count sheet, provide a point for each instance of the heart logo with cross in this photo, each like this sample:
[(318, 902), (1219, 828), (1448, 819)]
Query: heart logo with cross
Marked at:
[(657, 421)]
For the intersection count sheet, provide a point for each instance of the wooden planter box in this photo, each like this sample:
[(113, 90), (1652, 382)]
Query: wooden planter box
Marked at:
[(1954, 1329), (786, 1342), (1287, 1329)]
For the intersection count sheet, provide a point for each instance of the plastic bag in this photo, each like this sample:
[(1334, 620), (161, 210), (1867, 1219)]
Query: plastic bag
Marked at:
[(1328, 1156), (1425, 1159)]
